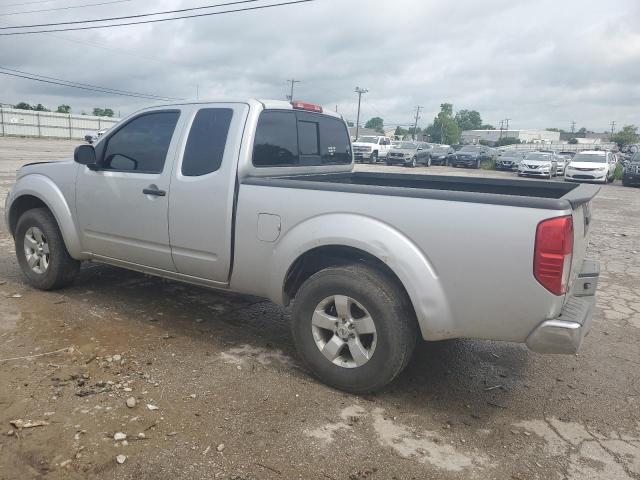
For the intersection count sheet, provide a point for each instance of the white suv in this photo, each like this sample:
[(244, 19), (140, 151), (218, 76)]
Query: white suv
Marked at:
[(591, 166), (371, 148)]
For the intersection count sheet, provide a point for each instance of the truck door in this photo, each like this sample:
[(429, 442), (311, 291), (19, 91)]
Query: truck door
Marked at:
[(203, 191), (122, 206)]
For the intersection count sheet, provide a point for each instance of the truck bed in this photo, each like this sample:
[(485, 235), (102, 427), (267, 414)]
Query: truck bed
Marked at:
[(496, 191)]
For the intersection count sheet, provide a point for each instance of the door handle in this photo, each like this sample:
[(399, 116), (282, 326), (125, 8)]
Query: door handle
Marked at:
[(153, 190)]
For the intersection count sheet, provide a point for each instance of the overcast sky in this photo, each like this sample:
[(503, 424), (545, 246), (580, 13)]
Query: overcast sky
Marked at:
[(540, 63)]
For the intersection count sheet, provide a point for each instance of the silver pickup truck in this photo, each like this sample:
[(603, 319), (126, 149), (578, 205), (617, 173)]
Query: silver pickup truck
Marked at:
[(260, 197)]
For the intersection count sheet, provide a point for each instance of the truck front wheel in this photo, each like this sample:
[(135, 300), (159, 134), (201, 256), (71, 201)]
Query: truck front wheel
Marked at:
[(42, 254), (374, 157), (353, 328)]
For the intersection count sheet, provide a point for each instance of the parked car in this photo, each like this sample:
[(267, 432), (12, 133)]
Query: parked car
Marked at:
[(538, 164), (371, 148), (93, 137), (440, 154), (410, 154), (563, 161), (592, 166), (281, 214), (509, 160), (631, 175), (469, 156), (567, 154)]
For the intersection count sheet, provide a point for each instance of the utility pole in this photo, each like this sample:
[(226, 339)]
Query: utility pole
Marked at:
[(293, 81), (360, 92), (501, 128), (415, 125), (573, 126), (613, 125)]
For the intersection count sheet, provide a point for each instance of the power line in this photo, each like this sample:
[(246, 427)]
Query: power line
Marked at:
[(114, 90), (140, 15), (25, 3), (64, 8), (260, 7), (64, 83)]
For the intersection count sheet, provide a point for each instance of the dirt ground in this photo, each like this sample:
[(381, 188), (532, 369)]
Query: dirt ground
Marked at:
[(219, 394)]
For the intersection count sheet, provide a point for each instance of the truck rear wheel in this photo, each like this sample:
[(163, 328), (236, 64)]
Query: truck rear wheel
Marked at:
[(42, 254), (353, 328)]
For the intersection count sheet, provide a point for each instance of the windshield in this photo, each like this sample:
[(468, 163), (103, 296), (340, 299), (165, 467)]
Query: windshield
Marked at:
[(636, 157), (538, 156), (511, 155), (589, 157), (367, 140), (469, 148), (407, 145)]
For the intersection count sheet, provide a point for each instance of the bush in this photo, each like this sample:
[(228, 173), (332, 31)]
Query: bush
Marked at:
[(619, 172), (488, 165)]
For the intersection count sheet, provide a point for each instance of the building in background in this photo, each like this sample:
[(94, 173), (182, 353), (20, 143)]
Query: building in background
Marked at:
[(525, 136)]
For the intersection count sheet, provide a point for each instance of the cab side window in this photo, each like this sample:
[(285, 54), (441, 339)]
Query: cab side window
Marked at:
[(207, 139), (142, 144)]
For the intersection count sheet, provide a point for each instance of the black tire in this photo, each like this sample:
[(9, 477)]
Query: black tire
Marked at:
[(414, 162), (428, 161), (374, 157), (62, 269), (477, 165), (388, 306), (389, 164)]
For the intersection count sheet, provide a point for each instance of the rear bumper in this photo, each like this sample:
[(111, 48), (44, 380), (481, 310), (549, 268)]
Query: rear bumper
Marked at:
[(564, 334)]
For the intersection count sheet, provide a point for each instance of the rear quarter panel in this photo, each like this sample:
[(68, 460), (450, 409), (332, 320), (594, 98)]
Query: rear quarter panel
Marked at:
[(471, 265)]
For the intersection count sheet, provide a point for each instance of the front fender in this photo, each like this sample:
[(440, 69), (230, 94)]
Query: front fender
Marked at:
[(43, 188), (397, 251)]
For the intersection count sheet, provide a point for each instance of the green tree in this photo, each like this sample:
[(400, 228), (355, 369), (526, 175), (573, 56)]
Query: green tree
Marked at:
[(102, 112), (468, 120), (23, 106), (63, 109), (486, 126), (444, 128), (350, 123), (627, 136), (553, 129), (41, 108), (572, 141), (401, 132), (375, 123)]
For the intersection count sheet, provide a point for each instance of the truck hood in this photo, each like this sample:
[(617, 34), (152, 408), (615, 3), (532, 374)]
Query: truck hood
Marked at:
[(359, 144), (587, 165), (48, 169), (405, 151)]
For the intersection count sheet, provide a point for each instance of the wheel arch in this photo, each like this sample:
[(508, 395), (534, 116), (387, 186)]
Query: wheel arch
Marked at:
[(334, 238), (38, 191)]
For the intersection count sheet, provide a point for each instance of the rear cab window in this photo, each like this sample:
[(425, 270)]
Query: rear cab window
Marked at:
[(287, 138)]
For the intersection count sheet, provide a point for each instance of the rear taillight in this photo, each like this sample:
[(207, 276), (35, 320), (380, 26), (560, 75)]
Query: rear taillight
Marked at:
[(309, 107), (553, 254)]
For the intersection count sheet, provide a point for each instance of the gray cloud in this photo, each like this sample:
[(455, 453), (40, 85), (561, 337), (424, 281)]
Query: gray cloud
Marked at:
[(542, 63)]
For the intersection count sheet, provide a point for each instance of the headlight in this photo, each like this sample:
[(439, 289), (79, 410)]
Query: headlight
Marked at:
[(601, 169)]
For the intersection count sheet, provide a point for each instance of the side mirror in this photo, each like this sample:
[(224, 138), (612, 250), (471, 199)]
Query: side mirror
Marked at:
[(85, 155)]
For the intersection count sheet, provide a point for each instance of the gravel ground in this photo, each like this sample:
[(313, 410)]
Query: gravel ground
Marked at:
[(219, 394)]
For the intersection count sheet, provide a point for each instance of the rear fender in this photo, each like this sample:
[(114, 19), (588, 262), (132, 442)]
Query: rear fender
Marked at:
[(384, 242)]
